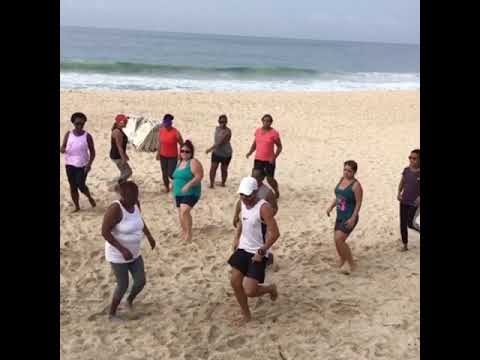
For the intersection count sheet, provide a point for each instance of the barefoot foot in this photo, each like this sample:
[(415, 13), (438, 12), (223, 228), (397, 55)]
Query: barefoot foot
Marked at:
[(242, 321), (344, 270)]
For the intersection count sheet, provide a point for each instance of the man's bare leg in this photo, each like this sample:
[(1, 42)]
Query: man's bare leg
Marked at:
[(253, 289), (236, 281)]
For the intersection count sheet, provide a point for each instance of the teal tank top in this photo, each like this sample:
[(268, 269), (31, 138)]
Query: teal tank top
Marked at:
[(345, 201), (181, 177)]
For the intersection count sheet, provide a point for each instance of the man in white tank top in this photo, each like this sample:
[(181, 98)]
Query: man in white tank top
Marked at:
[(249, 259), (263, 192)]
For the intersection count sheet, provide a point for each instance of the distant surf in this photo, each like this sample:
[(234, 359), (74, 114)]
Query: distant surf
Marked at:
[(124, 59)]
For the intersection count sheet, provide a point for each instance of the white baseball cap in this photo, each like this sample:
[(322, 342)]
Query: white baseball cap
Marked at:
[(247, 186)]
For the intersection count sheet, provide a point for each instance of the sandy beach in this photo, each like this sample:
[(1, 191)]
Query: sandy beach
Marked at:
[(187, 309)]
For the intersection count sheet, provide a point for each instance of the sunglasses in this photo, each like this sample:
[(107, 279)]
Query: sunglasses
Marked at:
[(185, 151)]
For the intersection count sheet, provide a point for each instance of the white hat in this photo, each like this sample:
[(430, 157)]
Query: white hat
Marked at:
[(247, 186)]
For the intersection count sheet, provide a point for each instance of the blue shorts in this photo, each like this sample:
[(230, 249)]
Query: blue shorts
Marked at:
[(189, 200), (340, 225)]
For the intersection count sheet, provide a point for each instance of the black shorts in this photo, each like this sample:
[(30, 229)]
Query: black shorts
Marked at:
[(242, 261), (340, 225), (77, 177), (190, 200), (220, 159), (266, 166)]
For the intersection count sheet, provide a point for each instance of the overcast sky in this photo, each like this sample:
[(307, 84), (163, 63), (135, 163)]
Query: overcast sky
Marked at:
[(395, 21)]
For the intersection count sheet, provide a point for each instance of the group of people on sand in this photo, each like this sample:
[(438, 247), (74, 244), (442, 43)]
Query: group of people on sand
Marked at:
[(256, 229)]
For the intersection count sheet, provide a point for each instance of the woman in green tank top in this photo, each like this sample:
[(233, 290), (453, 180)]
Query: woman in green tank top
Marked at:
[(348, 200), (187, 187)]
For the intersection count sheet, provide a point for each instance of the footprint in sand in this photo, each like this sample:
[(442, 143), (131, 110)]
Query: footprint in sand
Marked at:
[(184, 271), (173, 353), (344, 309), (96, 254), (236, 342), (213, 334), (94, 317)]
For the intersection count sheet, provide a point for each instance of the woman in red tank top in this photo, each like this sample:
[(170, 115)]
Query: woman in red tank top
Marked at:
[(169, 140)]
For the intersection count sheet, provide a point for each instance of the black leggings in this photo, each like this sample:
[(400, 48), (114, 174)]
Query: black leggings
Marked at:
[(407, 213), (76, 178), (168, 165)]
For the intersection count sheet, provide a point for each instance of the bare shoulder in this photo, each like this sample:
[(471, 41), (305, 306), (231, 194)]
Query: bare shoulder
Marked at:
[(113, 207), (266, 209), (196, 164), (114, 212), (357, 186)]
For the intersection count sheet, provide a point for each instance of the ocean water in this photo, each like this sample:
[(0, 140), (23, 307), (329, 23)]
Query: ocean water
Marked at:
[(146, 60)]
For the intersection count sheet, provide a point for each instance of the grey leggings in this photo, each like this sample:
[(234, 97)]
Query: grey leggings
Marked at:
[(121, 273), (125, 170)]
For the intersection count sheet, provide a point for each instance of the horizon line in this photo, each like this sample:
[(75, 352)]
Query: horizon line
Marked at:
[(237, 35)]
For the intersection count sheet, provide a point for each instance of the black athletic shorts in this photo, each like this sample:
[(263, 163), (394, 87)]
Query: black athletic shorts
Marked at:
[(220, 159), (190, 200), (242, 261), (76, 177), (266, 166), (340, 225)]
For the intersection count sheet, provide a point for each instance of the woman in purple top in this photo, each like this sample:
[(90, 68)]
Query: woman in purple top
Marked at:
[(79, 153), (409, 195)]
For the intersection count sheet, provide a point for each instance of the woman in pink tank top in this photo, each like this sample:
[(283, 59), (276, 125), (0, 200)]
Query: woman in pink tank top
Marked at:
[(79, 153), (264, 144)]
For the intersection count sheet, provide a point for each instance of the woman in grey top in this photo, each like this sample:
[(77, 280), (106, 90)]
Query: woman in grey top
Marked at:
[(222, 150)]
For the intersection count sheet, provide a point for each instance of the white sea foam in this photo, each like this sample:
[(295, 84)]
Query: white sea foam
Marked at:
[(325, 82)]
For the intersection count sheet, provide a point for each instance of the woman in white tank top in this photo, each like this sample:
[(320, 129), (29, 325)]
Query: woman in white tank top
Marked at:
[(123, 229)]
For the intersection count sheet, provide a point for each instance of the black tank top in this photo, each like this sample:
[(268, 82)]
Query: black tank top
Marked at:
[(114, 154)]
